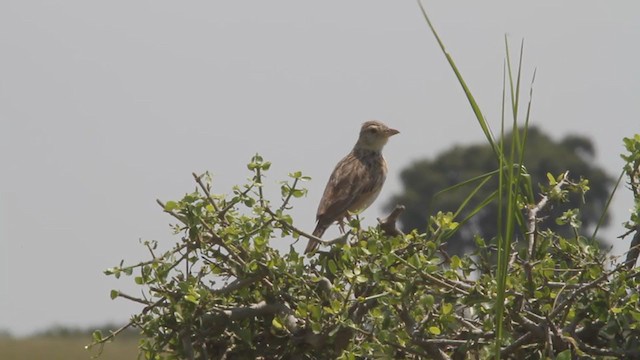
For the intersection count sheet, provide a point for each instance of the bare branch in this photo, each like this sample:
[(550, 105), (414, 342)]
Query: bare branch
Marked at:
[(339, 239), (237, 284), (574, 295), (205, 189), (532, 214), (171, 212), (261, 309), (134, 299), (527, 338), (432, 349)]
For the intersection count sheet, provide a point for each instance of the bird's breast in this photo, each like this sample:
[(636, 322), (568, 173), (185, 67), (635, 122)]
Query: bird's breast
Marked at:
[(372, 180)]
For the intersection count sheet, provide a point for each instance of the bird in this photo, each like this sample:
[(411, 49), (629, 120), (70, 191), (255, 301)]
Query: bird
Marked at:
[(356, 180)]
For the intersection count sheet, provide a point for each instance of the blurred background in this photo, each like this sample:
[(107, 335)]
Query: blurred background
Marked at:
[(106, 106)]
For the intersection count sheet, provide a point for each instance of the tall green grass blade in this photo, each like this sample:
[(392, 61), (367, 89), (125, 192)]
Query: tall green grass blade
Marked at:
[(500, 293), (466, 182), (513, 180), (470, 196), (606, 206), (487, 200), (529, 187), (516, 89), (472, 101)]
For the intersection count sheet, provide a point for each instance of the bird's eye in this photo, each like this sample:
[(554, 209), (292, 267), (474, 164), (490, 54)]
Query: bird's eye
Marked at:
[(372, 130)]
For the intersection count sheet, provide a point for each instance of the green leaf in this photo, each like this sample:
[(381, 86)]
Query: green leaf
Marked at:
[(446, 308), (276, 323), (315, 311), (415, 261), (456, 263), (428, 300), (97, 336), (348, 273), (434, 330), (565, 355), (170, 206), (298, 193), (114, 294), (192, 298), (333, 268)]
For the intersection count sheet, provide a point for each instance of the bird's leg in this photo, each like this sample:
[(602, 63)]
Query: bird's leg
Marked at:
[(341, 226)]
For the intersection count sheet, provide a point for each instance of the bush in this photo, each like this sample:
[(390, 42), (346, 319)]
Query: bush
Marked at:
[(224, 291)]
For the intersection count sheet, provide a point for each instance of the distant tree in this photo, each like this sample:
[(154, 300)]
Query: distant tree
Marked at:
[(425, 178)]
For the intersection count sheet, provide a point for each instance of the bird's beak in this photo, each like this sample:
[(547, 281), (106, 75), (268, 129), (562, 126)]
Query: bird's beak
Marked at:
[(390, 132)]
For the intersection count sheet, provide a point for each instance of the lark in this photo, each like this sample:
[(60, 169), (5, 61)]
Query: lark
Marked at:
[(356, 180)]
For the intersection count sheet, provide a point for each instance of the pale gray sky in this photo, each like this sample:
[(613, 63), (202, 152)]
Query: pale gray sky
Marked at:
[(106, 106)]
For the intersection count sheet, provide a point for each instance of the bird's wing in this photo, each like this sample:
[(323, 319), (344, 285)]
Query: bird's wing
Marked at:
[(347, 182)]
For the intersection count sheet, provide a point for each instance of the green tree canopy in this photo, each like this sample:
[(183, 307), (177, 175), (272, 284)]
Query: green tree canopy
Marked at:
[(425, 178)]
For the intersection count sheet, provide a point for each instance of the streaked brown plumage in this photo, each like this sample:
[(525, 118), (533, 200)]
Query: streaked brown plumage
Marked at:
[(356, 180)]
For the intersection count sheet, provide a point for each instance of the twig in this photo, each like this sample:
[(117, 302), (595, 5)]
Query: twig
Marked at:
[(258, 180), (409, 350), (634, 250), (563, 285), (291, 189), (388, 224), (451, 284), (260, 309), (592, 350), (471, 327), (134, 299), (532, 214), (171, 212), (452, 342), (527, 338), (432, 349), (574, 295), (237, 284), (153, 255), (231, 204), (218, 241), (123, 328), (112, 335), (532, 221), (340, 239), (210, 198), (206, 191)]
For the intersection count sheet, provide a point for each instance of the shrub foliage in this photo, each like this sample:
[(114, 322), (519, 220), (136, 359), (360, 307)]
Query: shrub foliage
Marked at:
[(225, 291)]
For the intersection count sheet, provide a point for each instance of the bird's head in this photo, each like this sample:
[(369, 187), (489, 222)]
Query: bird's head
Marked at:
[(374, 135)]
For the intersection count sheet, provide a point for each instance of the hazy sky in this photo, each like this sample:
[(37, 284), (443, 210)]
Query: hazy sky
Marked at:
[(106, 106)]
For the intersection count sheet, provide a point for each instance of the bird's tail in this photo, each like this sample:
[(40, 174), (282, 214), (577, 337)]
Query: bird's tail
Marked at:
[(312, 245)]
